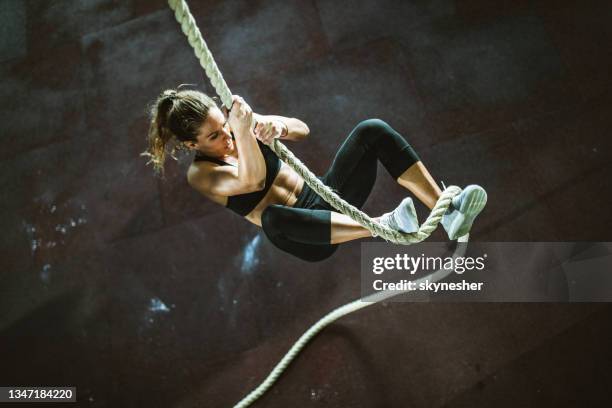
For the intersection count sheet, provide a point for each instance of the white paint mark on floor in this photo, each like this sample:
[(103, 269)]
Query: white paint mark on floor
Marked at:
[(249, 255), (157, 306)]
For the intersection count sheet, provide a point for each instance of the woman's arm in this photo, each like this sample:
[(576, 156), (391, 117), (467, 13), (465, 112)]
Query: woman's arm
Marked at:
[(270, 127), (249, 176), (251, 163)]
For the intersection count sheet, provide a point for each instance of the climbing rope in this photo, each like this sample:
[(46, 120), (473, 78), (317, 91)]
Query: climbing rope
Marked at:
[(191, 30)]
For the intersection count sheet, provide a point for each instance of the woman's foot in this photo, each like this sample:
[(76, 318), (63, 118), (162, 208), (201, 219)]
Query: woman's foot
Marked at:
[(464, 209), (403, 218)]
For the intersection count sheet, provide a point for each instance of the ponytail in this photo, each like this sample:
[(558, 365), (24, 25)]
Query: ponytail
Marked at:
[(159, 135)]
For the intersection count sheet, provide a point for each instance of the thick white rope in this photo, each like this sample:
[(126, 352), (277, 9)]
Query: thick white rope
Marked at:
[(190, 29)]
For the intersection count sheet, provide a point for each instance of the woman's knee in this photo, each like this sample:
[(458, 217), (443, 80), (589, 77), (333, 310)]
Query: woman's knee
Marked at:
[(371, 130), (372, 126)]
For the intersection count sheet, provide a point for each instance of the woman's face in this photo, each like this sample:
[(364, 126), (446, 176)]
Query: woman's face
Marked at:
[(214, 138)]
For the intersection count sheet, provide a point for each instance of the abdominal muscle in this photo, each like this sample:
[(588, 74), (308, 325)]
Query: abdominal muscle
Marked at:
[(285, 190)]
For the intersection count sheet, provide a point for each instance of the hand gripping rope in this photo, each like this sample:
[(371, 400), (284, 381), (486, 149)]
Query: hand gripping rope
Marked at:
[(191, 30)]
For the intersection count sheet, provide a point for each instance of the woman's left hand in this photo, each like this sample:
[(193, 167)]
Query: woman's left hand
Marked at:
[(268, 130)]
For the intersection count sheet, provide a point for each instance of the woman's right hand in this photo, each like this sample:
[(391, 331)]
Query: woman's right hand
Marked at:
[(240, 116)]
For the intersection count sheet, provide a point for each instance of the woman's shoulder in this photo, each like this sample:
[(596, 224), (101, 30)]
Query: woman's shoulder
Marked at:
[(199, 169), (200, 176)]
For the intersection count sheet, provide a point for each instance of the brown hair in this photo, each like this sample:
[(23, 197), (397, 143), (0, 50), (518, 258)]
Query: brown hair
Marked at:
[(176, 117)]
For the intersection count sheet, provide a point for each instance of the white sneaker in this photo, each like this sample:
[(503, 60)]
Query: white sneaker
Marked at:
[(403, 218), (464, 209)]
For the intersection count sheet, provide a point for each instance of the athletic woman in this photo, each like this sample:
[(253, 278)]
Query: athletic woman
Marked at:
[(234, 167)]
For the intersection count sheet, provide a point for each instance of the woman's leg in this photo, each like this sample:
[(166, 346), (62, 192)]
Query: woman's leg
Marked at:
[(353, 171), (301, 232), (309, 234), (418, 180), (375, 137), (312, 234), (311, 226), (344, 228)]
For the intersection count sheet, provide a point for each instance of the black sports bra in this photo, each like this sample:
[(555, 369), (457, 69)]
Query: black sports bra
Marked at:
[(243, 204)]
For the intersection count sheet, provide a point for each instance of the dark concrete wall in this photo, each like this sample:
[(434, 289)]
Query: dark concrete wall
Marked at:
[(141, 293)]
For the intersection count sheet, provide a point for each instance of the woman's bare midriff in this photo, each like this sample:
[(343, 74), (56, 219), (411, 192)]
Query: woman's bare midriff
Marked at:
[(284, 191)]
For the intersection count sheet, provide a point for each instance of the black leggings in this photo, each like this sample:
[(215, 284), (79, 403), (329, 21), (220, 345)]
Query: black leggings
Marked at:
[(304, 230)]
